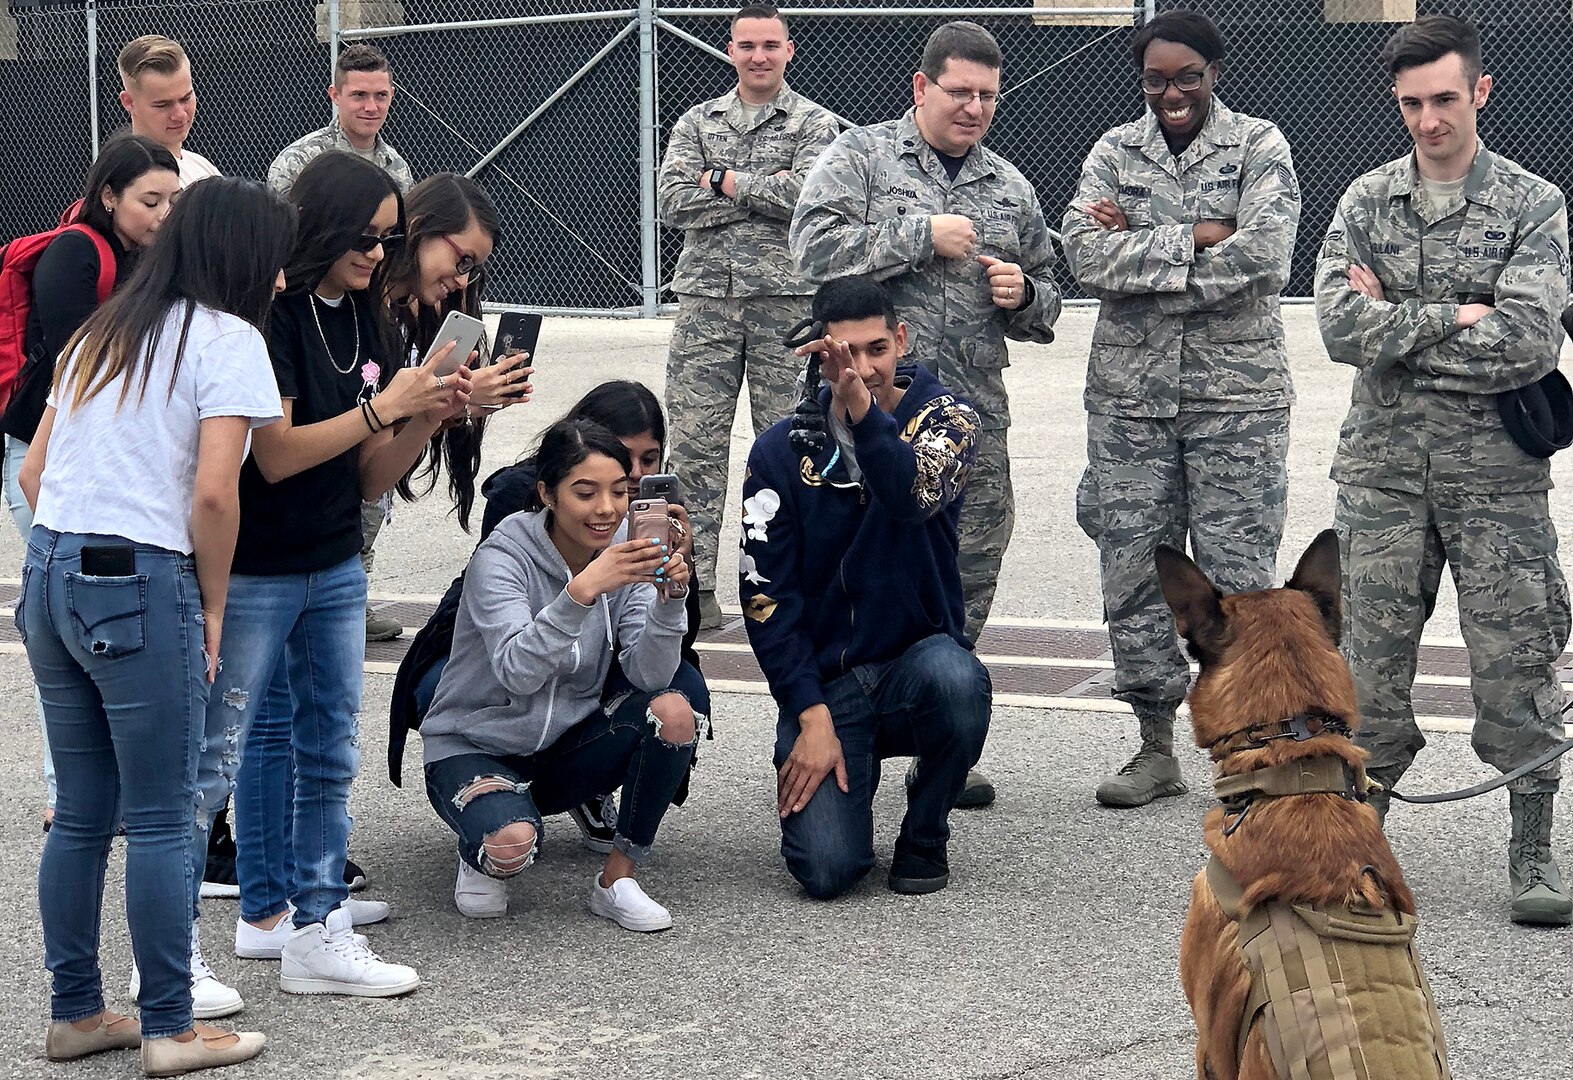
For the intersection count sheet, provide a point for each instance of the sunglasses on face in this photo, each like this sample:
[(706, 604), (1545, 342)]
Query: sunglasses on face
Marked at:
[(366, 243)]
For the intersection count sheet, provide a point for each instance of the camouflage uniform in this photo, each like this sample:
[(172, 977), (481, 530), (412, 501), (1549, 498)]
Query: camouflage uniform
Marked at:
[(1188, 389), (865, 209), (298, 154), (1426, 472), (737, 292)]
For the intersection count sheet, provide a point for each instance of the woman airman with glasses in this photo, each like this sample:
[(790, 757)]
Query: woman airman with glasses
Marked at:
[(1182, 226)]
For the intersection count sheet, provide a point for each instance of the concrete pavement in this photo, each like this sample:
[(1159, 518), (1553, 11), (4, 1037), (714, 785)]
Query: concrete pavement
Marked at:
[(1052, 954)]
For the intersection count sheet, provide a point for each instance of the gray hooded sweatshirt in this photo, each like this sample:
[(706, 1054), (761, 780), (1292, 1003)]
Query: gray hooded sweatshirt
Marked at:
[(529, 661)]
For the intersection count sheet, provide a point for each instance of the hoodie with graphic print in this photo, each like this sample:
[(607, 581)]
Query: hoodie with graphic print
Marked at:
[(529, 661), (846, 564)]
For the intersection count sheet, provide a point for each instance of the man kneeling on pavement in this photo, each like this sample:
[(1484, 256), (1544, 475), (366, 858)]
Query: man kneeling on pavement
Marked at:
[(853, 599)]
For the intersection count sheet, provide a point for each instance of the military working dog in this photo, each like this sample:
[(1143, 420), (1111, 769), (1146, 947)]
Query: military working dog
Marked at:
[(1297, 957)]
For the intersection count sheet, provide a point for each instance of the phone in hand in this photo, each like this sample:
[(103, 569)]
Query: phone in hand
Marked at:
[(660, 486), (517, 331), (466, 331), (647, 520)]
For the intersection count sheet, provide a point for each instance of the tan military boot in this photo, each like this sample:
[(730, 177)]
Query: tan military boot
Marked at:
[(1539, 897), (1154, 773)]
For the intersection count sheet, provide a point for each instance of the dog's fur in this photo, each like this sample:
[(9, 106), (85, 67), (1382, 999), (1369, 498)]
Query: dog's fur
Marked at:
[(1265, 656)]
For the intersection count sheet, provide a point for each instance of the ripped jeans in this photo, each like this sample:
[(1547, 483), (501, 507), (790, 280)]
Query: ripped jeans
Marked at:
[(618, 745), (315, 624)]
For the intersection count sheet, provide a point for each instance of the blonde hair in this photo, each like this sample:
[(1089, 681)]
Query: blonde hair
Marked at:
[(150, 52)]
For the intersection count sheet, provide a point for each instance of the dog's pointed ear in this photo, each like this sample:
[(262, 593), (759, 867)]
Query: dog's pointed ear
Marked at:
[(1320, 575), (1198, 616)]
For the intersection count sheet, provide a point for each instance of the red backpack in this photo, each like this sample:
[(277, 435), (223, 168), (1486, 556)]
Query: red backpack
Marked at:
[(18, 259)]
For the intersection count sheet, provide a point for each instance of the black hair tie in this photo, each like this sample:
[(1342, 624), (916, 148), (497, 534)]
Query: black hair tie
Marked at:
[(808, 419)]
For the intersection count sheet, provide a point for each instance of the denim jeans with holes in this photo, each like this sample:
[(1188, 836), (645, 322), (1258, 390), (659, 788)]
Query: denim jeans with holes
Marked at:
[(119, 666), (931, 703), (618, 745), (315, 624)]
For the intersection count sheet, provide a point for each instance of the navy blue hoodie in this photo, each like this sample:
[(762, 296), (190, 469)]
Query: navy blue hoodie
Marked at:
[(835, 572)]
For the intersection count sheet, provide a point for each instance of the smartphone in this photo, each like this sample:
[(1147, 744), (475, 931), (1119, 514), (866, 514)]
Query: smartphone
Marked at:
[(647, 520), (517, 331), (116, 560), (461, 328), (660, 486)]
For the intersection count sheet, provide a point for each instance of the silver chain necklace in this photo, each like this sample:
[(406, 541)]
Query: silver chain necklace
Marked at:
[(355, 317)]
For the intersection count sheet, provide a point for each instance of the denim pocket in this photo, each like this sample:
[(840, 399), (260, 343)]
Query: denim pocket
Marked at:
[(109, 613), (21, 597)]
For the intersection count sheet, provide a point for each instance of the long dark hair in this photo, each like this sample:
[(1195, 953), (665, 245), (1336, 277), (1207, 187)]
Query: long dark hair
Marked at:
[(122, 162), (623, 407), (336, 195), (441, 205), (567, 443), (222, 247)]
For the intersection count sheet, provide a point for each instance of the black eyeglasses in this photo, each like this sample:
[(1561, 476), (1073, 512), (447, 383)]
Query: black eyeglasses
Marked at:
[(368, 242), (1155, 84)]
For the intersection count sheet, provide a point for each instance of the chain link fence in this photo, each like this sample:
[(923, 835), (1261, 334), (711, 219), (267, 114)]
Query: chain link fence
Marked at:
[(561, 107)]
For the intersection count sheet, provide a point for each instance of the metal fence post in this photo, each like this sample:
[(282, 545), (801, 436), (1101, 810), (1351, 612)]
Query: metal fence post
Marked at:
[(333, 45), (90, 9), (648, 217)]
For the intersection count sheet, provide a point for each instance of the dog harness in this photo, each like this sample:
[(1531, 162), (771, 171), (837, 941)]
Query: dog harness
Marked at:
[(1338, 990)]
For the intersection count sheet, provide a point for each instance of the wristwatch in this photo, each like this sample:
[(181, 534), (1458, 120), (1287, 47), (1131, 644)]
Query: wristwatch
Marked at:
[(717, 178)]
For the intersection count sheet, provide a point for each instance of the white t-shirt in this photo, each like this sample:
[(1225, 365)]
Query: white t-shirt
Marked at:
[(128, 470), (194, 167)]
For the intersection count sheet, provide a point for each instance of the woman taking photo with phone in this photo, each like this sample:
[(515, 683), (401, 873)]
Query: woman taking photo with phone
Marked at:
[(631, 412), (287, 702), (520, 726), (132, 478), (129, 190)]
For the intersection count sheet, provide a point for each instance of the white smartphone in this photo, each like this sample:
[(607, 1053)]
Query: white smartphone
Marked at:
[(458, 327)]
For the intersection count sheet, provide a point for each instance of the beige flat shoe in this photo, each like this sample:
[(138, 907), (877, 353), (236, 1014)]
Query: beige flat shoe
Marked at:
[(212, 1048), (63, 1042)]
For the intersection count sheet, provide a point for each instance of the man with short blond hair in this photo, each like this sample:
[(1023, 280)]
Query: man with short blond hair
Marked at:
[(362, 91), (156, 91)]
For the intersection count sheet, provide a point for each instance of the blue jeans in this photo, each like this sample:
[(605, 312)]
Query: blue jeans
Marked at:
[(315, 626), (119, 665), (22, 514), (264, 801), (618, 745), (932, 703)]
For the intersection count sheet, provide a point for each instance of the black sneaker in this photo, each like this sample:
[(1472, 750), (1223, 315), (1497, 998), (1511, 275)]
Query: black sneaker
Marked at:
[(596, 818), (915, 870), (354, 876), (218, 880)]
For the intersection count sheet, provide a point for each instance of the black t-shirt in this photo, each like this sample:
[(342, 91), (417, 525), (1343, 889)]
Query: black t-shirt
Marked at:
[(309, 521), (951, 162)]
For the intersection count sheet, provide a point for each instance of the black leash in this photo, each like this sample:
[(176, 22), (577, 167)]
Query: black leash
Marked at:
[(1491, 785)]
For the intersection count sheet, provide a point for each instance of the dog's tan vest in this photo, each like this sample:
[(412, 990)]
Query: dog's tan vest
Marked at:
[(1338, 990)]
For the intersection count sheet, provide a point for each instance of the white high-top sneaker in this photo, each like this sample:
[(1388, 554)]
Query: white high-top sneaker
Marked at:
[(327, 958), (478, 896), (210, 999)]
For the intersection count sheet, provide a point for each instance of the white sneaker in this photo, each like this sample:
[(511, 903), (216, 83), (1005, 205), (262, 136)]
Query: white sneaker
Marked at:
[(254, 943), (628, 905), (478, 896), (210, 999), (327, 958)]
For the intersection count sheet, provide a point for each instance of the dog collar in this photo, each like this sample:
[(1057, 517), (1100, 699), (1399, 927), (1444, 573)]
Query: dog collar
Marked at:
[(1299, 727)]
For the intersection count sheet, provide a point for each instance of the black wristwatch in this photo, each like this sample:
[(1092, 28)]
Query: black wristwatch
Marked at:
[(717, 178)]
